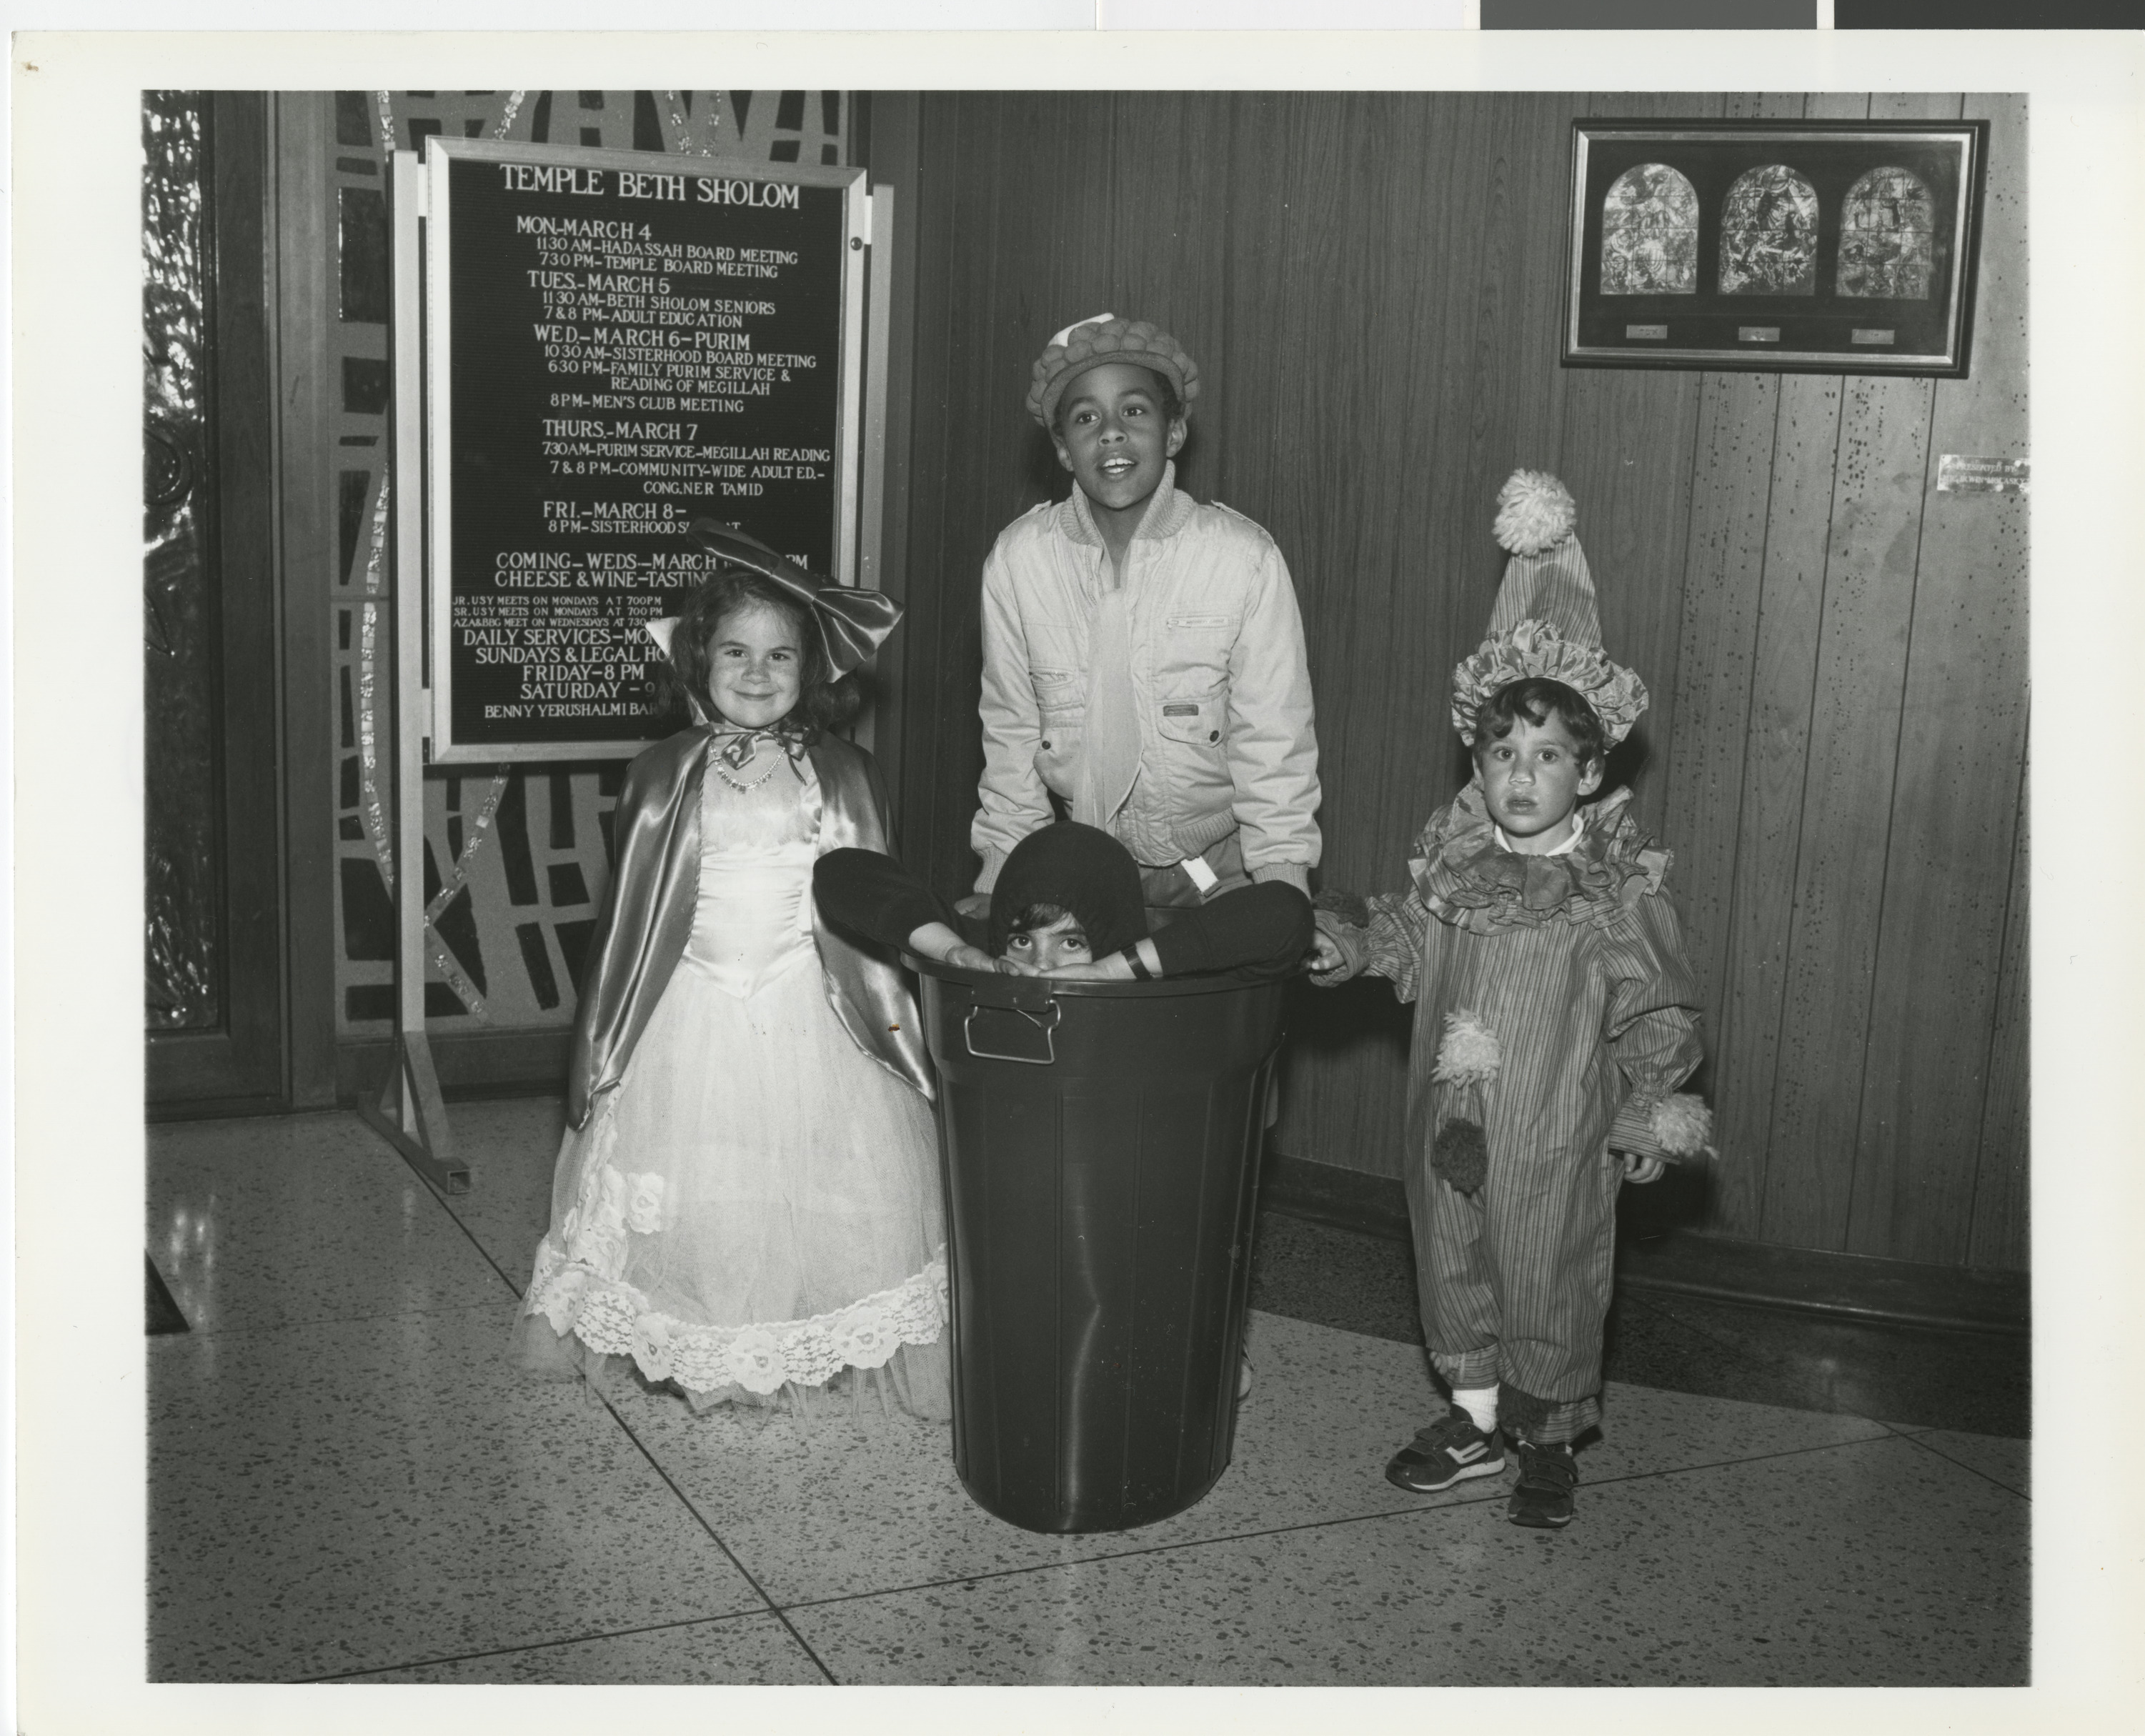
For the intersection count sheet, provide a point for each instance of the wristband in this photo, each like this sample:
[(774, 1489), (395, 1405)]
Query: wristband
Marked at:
[(1141, 973), (1199, 874)]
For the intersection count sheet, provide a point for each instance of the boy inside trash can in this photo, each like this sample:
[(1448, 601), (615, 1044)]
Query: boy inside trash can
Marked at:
[(1143, 658), (1068, 905), (1556, 1015)]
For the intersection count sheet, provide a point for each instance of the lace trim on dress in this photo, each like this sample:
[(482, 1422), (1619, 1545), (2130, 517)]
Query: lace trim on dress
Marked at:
[(580, 1288), (610, 1315), (1466, 877)]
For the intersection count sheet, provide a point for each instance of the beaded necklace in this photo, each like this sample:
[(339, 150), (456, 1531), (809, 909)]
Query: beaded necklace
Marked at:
[(740, 746)]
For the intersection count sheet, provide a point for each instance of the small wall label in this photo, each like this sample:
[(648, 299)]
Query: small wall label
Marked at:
[(1658, 334), (1759, 333), (1872, 335), (1957, 474)]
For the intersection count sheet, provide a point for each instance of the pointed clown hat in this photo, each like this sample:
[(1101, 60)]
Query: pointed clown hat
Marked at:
[(1545, 624), (852, 623)]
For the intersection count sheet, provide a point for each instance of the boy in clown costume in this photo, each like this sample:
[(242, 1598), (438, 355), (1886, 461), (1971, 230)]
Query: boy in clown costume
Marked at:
[(1556, 1015)]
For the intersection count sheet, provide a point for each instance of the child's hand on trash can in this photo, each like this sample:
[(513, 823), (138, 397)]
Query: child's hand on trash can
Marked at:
[(935, 940), (1639, 1170)]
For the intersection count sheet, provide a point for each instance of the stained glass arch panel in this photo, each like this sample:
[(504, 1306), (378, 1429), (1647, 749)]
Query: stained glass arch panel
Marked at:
[(1769, 234), (1888, 237), (1649, 233)]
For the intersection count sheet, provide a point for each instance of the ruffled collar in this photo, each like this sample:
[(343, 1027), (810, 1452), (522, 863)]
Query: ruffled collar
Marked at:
[(1468, 879)]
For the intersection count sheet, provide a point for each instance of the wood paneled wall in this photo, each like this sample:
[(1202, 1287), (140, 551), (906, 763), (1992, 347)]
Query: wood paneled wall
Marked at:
[(1836, 749)]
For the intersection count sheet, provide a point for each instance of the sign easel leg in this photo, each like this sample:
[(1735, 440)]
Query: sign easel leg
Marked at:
[(410, 1114)]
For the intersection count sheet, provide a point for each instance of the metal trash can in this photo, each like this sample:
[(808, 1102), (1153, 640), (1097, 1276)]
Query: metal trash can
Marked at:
[(1101, 1146)]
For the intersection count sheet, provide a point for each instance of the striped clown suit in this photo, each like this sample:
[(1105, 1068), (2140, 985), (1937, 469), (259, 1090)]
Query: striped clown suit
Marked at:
[(1568, 970)]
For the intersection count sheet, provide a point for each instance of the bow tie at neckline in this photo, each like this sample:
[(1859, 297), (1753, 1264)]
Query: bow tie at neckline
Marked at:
[(737, 746)]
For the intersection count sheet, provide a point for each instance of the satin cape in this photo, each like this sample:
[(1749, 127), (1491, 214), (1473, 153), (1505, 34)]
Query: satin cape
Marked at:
[(648, 916)]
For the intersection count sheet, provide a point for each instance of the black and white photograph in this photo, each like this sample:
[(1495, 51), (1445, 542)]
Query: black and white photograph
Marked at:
[(975, 880)]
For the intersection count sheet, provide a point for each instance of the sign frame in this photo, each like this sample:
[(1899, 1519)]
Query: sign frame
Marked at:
[(441, 152)]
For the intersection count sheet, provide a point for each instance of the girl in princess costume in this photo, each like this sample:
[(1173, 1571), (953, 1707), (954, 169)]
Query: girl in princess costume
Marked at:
[(1556, 1015), (747, 1202)]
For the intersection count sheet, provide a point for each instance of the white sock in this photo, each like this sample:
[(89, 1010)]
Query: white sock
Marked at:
[(1480, 1403)]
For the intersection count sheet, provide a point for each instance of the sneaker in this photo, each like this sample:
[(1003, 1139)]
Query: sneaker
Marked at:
[(1542, 1497), (1450, 1451)]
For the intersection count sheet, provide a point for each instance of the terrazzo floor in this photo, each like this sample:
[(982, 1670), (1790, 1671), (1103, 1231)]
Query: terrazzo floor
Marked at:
[(348, 1483)]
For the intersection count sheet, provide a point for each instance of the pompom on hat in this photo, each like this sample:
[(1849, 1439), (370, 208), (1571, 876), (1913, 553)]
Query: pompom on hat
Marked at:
[(1093, 343), (1545, 624)]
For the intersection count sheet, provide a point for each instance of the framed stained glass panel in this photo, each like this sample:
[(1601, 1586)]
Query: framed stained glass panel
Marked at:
[(1823, 246), (1649, 233), (1888, 237), (1768, 226)]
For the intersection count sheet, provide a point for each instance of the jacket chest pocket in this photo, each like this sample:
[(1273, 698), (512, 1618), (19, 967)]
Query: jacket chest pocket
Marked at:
[(1195, 717), (1061, 703), (1059, 694), (1191, 655)]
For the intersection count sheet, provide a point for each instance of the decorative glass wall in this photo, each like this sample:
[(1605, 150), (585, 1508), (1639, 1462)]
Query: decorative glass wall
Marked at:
[(181, 793)]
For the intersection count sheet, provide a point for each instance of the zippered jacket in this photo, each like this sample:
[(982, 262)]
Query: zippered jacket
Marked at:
[(1226, 741)]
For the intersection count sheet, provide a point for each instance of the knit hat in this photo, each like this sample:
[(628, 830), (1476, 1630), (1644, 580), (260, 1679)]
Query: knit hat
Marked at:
[(1085, 872), (1105, 338), (1545, 624)]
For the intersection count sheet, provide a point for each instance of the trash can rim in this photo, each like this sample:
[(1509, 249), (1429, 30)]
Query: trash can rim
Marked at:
[(1161, 988)]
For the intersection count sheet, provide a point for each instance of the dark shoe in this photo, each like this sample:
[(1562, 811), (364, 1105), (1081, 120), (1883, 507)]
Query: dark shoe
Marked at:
[(1542, 1497), (1450, 1451)]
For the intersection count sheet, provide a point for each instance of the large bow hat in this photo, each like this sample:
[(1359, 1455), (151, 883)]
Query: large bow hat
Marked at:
[(853, 623), (1545, 623)]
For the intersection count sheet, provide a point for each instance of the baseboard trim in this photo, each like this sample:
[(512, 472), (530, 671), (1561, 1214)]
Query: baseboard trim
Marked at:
[(1812, 1280), (1687, 1262), (212, 1109), (470, 1065), (1325, 1193)]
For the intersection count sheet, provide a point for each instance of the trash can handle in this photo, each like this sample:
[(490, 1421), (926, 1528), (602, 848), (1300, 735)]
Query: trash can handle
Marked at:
[(1045, 1021), (1031, 995)]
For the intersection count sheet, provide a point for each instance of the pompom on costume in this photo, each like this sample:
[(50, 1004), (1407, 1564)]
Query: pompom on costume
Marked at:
[(1556, 1015), (1468, 1060), (747, 1202)]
